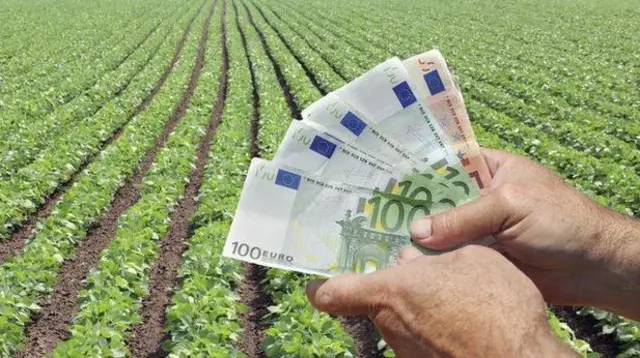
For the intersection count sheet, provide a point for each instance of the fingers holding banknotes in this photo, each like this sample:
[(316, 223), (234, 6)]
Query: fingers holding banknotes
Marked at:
[(428, 305), (570, 246)]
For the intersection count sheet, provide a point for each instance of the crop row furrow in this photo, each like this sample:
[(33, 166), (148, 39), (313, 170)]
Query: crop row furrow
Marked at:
[(148, 335), (26, 142), (205, 303), (109, 303), (295, 328), (30, 186), (475, 60), (29, 277), (33, 101), (611, 181)]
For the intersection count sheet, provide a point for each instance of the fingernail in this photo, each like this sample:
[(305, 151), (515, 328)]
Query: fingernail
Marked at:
[(312, 287), (421, 229)]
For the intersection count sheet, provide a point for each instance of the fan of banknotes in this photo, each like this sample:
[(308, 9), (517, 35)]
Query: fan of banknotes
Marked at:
[(348, 179)]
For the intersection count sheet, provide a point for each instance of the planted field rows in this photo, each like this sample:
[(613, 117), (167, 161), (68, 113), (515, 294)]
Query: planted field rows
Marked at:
[(127, 130)]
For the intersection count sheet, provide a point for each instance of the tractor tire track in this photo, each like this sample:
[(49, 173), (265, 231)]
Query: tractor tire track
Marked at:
[(50, 326), (148, 336), (13, 245)]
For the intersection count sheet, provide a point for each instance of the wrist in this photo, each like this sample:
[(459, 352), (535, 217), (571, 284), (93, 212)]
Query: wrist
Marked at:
[(543, 343), (616, 272)]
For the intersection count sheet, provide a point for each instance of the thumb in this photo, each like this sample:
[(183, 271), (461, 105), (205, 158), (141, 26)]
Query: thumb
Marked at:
[(472, 221), (345, 295)]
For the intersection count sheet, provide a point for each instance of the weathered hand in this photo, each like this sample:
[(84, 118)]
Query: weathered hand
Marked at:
[(471, 302), (576, 251)]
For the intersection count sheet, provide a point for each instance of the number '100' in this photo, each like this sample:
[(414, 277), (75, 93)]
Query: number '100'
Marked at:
[(383, 213)]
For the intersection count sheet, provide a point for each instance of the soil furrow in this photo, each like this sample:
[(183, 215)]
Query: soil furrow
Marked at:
[(148, 336), (16, 242), (252, 290), (586, 328), (255, 97), (291, 101), (50, 326), (312, 77), (360, 328), (311, 46), (364, 334)]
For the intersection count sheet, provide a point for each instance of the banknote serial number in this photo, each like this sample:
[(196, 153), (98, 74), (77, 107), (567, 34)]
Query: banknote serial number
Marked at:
[(255, 253)]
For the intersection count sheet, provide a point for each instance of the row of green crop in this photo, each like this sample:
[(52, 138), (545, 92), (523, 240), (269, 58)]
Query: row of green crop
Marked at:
[(577, 344), (29, 187), (27, 140), (295, 329), (204, 319), (612, 181), (317, 39), (591, 86), (29, 102), (625, 330), (327, 79), (110, 302), (30, 276), (475, 59), (40, 39), (299, 84)]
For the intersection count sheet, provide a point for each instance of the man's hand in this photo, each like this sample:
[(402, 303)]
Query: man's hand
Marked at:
[(576, 251), (471, 302)]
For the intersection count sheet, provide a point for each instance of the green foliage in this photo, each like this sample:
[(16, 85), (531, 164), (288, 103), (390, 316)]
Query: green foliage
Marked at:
[(30, 276)]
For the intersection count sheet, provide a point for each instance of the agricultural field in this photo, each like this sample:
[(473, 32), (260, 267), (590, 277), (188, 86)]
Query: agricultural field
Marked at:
[(126, 129)]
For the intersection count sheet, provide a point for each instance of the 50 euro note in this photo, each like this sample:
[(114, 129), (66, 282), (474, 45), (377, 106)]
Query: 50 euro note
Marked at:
[(292, 221), (438, 90), (310, 150)]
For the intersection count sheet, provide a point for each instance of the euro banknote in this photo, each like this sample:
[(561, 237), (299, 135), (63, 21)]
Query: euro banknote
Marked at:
[(338, 118), (436, 87), (312, 151), (384, 95), (308, 224)]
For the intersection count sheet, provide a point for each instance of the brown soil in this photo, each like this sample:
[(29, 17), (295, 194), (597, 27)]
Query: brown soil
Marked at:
[(328, 61), (312, 77), (586, 328), (16, 242), (365, 334), (256, 299), (291, 101), (148, 336), (252, 290), (255, 97), (50, 325)]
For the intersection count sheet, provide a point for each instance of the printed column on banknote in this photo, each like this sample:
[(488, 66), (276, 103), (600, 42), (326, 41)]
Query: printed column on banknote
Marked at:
[(304, 223), (310, 150), (437, 89)]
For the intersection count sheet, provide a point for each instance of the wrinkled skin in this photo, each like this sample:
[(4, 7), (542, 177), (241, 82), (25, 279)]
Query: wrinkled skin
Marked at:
[(552, 244)]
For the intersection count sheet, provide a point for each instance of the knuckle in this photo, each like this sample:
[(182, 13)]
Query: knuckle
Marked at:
[(449, 224)]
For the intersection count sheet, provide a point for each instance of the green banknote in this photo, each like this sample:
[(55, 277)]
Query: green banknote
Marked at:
[(305, 223)]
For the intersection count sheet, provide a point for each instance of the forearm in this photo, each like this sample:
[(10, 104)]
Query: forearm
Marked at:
[(619, 279)]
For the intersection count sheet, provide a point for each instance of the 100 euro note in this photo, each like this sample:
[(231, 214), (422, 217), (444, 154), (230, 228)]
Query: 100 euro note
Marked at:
[(310, 150), (437, 89), (308, 224)]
